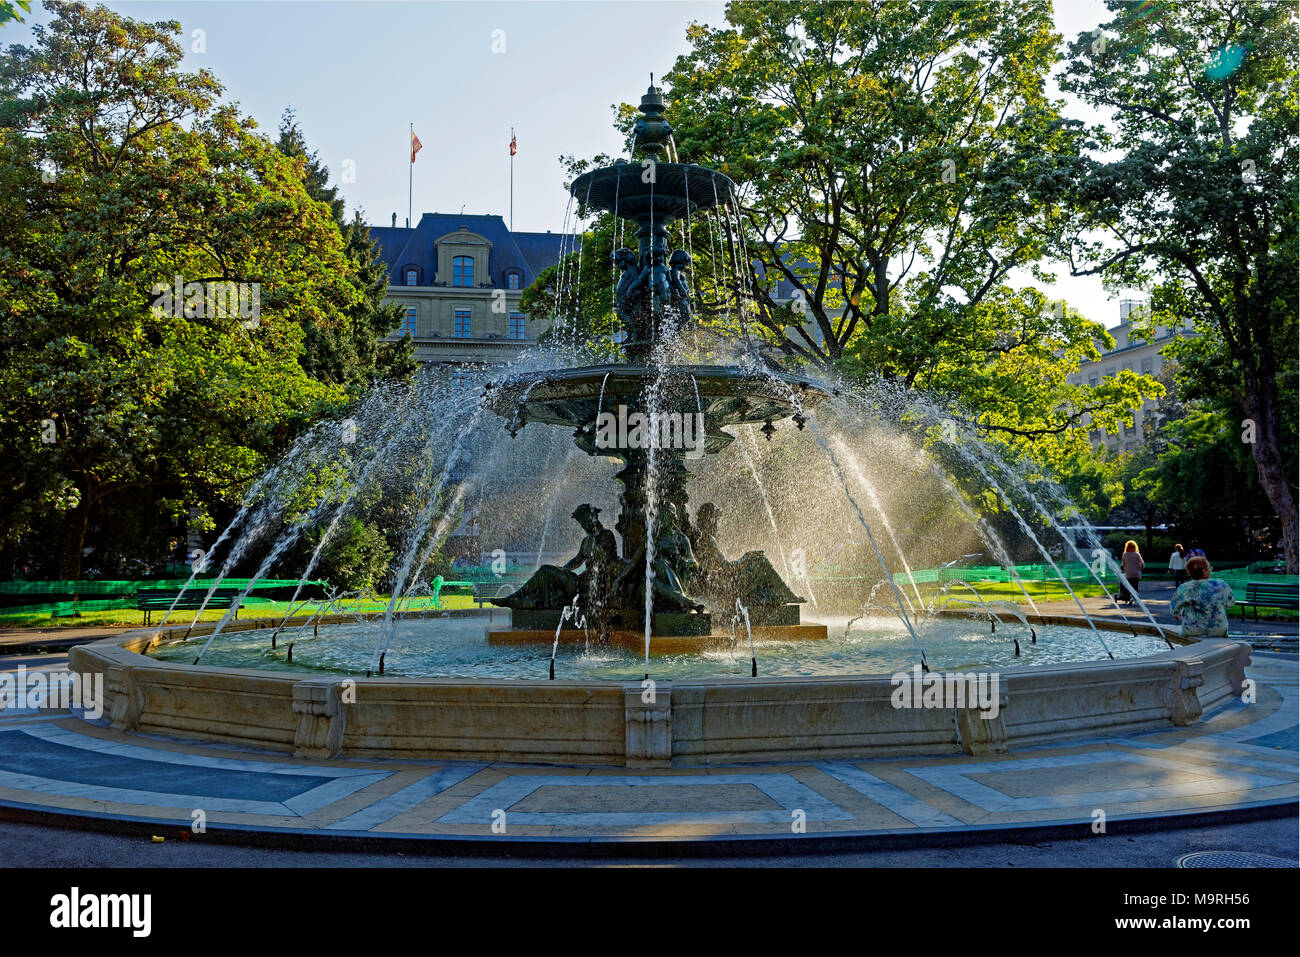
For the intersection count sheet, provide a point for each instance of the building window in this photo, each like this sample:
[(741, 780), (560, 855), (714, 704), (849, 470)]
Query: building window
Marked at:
[(412, 276), (1092, 381), (1148, 364), (513, 280), (462, 324), (516, 325), (408, 321), (462, 271)]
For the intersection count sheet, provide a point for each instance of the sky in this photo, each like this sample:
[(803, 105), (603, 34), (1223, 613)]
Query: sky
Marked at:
[(360, 74)]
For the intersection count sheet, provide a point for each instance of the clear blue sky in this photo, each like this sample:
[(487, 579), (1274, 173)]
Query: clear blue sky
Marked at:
[(358, 73)]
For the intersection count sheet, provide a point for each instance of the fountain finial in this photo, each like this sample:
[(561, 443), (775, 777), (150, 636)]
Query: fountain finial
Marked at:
[(652, 131)]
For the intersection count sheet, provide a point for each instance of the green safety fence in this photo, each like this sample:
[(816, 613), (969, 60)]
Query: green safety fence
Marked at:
[(1072, 571), (124, 588), (1075, 572)]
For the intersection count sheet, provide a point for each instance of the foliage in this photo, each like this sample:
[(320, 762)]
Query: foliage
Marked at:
[(118, 174), (1191, 187)]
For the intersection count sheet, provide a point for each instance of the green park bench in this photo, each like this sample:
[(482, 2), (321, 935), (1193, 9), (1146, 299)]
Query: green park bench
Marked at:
[(486, 591), (160, 599), (1268, 595)]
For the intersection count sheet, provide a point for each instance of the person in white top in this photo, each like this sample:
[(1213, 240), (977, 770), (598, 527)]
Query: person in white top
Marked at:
[(1178, 565)]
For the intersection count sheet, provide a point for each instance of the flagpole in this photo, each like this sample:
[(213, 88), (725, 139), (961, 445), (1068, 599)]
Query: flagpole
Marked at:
[(410, 174), (512, 179)]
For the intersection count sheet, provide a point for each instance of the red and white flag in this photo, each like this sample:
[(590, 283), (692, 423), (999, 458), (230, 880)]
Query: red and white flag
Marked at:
[(512, 143), (416, 145)]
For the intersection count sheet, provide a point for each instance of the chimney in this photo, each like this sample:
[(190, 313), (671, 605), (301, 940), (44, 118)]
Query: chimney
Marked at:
[(394, 220)]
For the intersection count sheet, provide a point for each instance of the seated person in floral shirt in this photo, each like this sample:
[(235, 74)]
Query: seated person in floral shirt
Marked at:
[(1202, 603)]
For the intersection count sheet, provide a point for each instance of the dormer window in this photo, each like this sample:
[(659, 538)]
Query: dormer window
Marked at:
[(514, 279), (462, 271), (411, 276)]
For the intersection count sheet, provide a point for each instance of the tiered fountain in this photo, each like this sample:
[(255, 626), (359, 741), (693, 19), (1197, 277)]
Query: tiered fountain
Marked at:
[(664, 552), (667, 587)]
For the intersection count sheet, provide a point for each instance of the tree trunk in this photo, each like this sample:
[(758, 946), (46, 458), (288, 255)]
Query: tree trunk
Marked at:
[(1272, 471), (74, 540)]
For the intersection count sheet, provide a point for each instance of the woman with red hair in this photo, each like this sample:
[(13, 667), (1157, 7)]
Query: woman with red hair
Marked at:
[(1133, 565)]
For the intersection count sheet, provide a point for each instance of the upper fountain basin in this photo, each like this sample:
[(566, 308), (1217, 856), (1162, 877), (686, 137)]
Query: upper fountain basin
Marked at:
[(725, 395), (662, 191)]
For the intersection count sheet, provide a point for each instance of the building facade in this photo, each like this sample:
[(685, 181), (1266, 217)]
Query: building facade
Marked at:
[(458, 279), (1134, 351)]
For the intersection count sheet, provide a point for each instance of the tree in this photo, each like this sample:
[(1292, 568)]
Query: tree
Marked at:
[(121, 176), (900, 162), (352, 349), (1200, 100), (9, 10)]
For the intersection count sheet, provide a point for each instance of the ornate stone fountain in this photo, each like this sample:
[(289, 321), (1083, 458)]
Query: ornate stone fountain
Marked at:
[(688, 574)]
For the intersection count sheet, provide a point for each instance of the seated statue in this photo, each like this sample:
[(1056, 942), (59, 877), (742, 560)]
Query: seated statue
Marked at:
[(752, 580), (553, 586), (673, 561)]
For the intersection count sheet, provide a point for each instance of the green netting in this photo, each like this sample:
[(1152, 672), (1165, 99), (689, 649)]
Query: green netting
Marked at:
[(122, 588), (65, 609), (1072, 571)]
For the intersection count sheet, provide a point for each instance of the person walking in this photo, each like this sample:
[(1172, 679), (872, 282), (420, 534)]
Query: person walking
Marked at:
[(1178, 565), (1133, 565), (1201, 605)]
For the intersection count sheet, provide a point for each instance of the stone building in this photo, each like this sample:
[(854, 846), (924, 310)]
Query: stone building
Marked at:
[(459, 278), (1137, 353)]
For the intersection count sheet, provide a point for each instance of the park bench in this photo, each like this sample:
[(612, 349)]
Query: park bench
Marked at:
[(1268, 595), (160, 599), (486, 591)]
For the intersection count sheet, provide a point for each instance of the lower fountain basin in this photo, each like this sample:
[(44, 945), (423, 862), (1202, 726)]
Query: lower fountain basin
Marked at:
[(676, 720)]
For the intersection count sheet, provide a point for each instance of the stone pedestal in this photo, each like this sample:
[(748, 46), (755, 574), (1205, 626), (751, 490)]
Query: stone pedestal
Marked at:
[(623, 619)]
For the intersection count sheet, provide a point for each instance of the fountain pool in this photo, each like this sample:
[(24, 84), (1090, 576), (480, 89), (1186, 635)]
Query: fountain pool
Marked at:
[(457, 648)]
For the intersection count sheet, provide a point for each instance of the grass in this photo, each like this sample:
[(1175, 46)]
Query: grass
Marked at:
[(1043, 591)]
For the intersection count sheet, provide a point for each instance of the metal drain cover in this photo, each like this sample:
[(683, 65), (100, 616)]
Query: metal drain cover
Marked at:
[(1232, 859)]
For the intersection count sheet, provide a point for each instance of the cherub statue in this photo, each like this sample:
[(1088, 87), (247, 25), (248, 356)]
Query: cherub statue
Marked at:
[(627, 300), (680, 261)]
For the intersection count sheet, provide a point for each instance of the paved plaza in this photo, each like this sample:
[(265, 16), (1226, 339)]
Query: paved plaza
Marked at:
[(1240, 762)]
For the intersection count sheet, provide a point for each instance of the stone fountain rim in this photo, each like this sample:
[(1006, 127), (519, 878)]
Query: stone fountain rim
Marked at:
[(690, 722)]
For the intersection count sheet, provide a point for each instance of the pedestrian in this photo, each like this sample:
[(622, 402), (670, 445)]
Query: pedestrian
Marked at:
[(1201, 605), (1133, 565), (1178, 565), (1193, 552)]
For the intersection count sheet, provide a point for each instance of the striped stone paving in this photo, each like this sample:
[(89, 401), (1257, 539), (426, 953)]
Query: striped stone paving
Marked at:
[(1240, 756)]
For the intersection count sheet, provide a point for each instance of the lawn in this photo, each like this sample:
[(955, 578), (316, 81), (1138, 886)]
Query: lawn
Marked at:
[(1040, 591)]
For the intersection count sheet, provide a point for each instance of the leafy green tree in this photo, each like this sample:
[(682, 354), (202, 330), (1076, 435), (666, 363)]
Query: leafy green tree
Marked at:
[(9, 10), (121, 175), (1200, 102), (901, 161), (352, 347)]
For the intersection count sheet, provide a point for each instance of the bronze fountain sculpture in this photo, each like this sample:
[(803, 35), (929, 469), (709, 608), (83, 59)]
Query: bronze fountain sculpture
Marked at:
[(689, 578)]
